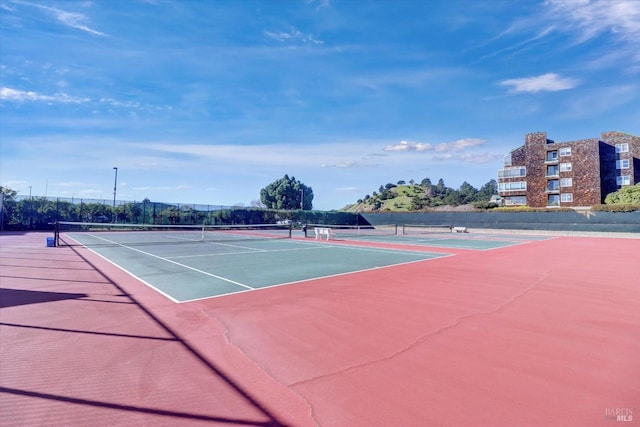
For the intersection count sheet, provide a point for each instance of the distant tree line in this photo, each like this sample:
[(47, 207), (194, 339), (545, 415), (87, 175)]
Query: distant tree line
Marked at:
[(40, 213)]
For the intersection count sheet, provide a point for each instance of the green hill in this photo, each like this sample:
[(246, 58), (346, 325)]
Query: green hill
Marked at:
[(424, 197)]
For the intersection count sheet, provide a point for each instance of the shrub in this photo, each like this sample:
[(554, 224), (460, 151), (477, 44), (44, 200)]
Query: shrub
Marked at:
[(485, 205)]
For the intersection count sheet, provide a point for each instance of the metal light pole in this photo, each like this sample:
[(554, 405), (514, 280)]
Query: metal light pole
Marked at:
[(115, 186), (302, 199)]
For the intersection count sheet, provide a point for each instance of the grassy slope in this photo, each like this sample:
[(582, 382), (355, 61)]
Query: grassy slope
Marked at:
[(401, 202)]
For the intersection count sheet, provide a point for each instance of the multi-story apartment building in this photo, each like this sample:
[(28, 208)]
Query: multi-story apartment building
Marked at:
[(545, 173)]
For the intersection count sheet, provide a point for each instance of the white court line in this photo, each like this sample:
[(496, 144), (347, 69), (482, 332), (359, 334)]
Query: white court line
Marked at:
[(434, 242), (245, 252), (311, 279), (309, 246), (212, 242), (176, 263)]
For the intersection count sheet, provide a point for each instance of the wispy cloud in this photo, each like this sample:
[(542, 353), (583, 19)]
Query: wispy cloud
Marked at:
[(293, 36), (20, 96), (69, 19), (320, 3), (590, 18), (403, 146), (549, 82), (580, 20), (458, 145), (519, 46), (8, 94)]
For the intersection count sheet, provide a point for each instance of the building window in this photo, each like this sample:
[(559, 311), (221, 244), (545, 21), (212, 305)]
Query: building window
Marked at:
[(553, 185), (515, 201), (553, 200), (512, 172), (566, 151), (552, 170), (512, 186), (552, 155), (622, 164), (566, 182), (566, 197), (623, 180), (565, 167), (622, 148)]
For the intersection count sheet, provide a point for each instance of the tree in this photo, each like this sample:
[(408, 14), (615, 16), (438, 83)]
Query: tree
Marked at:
[(487, 190), (468, 193), (9, 214), (627, 195), (428, 187), (287, 193)]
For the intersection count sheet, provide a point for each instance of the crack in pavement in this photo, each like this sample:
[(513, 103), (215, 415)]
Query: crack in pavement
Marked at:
[(425, 337)]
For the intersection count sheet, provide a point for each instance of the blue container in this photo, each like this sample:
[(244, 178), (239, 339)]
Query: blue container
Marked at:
[(51, 242)]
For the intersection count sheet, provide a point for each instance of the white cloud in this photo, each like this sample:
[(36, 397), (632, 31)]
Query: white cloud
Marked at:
[(520, 46), (70, 19), (457, 145), (549, 82), (591, 18), (460, 144), (581, 21), (409, 146), (321, 3), (293, 35), (15, 95)]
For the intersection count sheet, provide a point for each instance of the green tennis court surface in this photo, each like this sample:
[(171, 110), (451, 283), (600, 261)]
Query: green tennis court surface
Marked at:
[(190, 270), (420, 235), (445, 241)]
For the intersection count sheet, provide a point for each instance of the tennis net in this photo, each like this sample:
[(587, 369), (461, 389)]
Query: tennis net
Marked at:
[(93, 234), (338, 231), (410, 229)]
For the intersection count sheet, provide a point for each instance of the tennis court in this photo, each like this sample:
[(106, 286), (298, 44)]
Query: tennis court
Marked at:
[(189, 263), (426, 235), (543, 332)]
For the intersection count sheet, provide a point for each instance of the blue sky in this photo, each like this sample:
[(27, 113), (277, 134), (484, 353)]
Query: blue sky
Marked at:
[(209, 101)]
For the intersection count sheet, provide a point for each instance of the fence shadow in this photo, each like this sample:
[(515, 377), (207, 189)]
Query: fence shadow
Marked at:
[(16, 297)]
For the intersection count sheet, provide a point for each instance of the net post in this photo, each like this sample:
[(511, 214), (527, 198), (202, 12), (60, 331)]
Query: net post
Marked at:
[(56, 234)]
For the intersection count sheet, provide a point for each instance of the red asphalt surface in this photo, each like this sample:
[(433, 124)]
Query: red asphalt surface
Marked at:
[(545, 333)]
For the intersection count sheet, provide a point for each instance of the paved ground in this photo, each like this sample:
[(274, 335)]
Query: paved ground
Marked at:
[(544, 333)]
